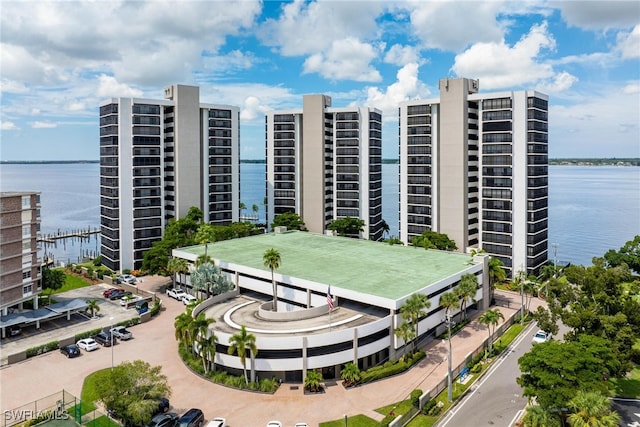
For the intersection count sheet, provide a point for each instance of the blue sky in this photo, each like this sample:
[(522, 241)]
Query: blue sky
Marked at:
[(60, 59)]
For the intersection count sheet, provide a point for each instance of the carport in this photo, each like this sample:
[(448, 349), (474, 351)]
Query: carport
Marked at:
[(52, 311)]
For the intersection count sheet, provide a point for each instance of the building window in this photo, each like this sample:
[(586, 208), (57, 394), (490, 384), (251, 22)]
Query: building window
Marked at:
[(26, 275), (27, 290), (26, 202), (26, 246), (26, 231)]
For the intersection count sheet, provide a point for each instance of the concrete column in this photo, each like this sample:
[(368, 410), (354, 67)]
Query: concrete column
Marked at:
[(392, 345), (355, 346), (253, 367), (304, 357), (308, 298)]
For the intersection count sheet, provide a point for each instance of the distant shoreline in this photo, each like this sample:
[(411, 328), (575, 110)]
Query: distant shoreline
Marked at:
[(555, 162)]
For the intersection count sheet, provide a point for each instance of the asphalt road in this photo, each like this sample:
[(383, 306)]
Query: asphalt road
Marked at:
[(497, 399)]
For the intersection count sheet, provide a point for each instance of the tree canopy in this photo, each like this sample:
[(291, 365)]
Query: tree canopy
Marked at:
[(291, 220), (52, 279), (628, 254), (348, 226), (433, 240), (131, 391)]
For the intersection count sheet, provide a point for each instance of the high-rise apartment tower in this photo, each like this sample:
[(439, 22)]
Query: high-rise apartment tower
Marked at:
[(325, 163), (158, 158), (475, 166)]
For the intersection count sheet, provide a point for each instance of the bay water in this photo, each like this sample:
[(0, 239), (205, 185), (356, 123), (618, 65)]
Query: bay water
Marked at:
[(591, 208)]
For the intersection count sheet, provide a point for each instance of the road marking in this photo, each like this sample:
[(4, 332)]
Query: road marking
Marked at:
[(491, 371), (515, 419)]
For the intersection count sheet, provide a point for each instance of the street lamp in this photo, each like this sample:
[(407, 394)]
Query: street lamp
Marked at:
[(449, 390), (111, 337)]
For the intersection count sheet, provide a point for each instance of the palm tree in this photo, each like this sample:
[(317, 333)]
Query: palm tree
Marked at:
[(203, 259), (413, 309), (466, 291), (173, 267), (449, 301), (313, 381), (385, 227), (537, 416), (491, 318), (182, 267), (182, 326), (497, 273), (242, 207), (406, 333), (272, 260), (350, 374), (199, 327), (240, 342), (92, 306), (255, 210), (592, 409), (205, 235), (208, 350)]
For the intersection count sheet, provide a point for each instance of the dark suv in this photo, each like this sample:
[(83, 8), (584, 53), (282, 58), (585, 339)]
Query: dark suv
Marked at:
[(105, 338), (192, 418)]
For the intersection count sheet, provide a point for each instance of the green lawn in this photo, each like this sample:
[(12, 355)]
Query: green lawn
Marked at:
[(89, 393), (627, 387), (72, 282), (355, 421)]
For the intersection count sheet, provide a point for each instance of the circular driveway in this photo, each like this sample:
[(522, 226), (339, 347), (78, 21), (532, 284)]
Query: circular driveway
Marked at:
[(155, 343)]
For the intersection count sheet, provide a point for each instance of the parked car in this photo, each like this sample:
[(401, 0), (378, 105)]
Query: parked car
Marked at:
[(71, 350), (301, 425), (105, 338), (142, 306), (163, 405), (188, 299), (87, 344), (127, 278), (163, 420), (130, 299), (274, 424), (217, 422), (14, 330), (192, 418), (110, 291), (176, 293), (541, 336), (121, 332), (118, 295)]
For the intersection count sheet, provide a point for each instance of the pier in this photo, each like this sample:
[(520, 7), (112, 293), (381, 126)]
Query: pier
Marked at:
[(83, 234)]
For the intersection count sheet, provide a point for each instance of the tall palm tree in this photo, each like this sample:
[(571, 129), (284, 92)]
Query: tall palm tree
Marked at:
[(490, 318), (406, 333), (242, 207), (199, 327), (173, 268), (182, 327), (255, 210), (182, 267), (272, 261), (497, 273), (413, 309), (240, 342), (592, 409), (208, 350), (466, 291), (449, 301), (385, 227), (206, 234)]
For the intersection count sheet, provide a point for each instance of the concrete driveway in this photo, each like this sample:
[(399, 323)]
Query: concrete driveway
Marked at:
[(154, 342)]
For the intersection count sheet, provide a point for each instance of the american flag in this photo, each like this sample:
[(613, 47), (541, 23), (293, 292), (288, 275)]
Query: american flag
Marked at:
[(329, 298)]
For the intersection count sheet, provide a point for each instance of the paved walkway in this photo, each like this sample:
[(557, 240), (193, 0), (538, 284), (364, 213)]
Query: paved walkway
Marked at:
[(154, 342)]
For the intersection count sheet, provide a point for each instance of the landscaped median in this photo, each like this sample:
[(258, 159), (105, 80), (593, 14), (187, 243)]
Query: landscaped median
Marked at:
[(424, 409)]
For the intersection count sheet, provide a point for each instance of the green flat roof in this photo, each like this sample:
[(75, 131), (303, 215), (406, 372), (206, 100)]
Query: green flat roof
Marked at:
[(375, 268)]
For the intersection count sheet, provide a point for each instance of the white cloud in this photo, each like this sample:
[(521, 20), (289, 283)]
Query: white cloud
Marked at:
[(12, 86), (600, 15), (559, 83), (233, 61), (631, 88), (407, 86), (345, 59), (253, 109), (262, 98), (7, 125), (629, 43), (498, 65), (108, 86), (401, 55), (43, 125), (453, 25)]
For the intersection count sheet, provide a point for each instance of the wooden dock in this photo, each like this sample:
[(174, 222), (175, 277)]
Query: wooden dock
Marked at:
[(83, 234)]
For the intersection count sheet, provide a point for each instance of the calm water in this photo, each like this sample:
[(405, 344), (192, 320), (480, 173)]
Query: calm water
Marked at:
[(592, 209)]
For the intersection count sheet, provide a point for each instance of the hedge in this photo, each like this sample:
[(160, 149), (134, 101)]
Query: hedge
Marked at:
[(40, 349)]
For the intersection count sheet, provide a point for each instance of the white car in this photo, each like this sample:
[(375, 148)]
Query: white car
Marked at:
[(541, 336), (188, 299), (217, 422), (88, 344), (121, 333), (301, 425), (176, 293), (130, 299), (127, 278), (274, 424)]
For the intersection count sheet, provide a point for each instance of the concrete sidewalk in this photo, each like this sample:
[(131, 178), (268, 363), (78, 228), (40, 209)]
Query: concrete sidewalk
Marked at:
[(155, 343)]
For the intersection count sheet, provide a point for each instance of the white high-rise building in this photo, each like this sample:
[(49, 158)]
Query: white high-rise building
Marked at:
[(158, 158), (475, 166), (325, 163)]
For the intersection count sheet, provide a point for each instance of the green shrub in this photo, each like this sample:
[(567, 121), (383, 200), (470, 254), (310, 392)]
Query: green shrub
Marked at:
[(475, 360), (429, 406), (156, 308), (415, 397), (87, 334), (126, 271), (41, 349), (435, 410), (477, 368), (385, 371), (635, 356), (97, 261)]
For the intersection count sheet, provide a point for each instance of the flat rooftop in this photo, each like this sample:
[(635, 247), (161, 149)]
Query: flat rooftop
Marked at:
[(364, 266)]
